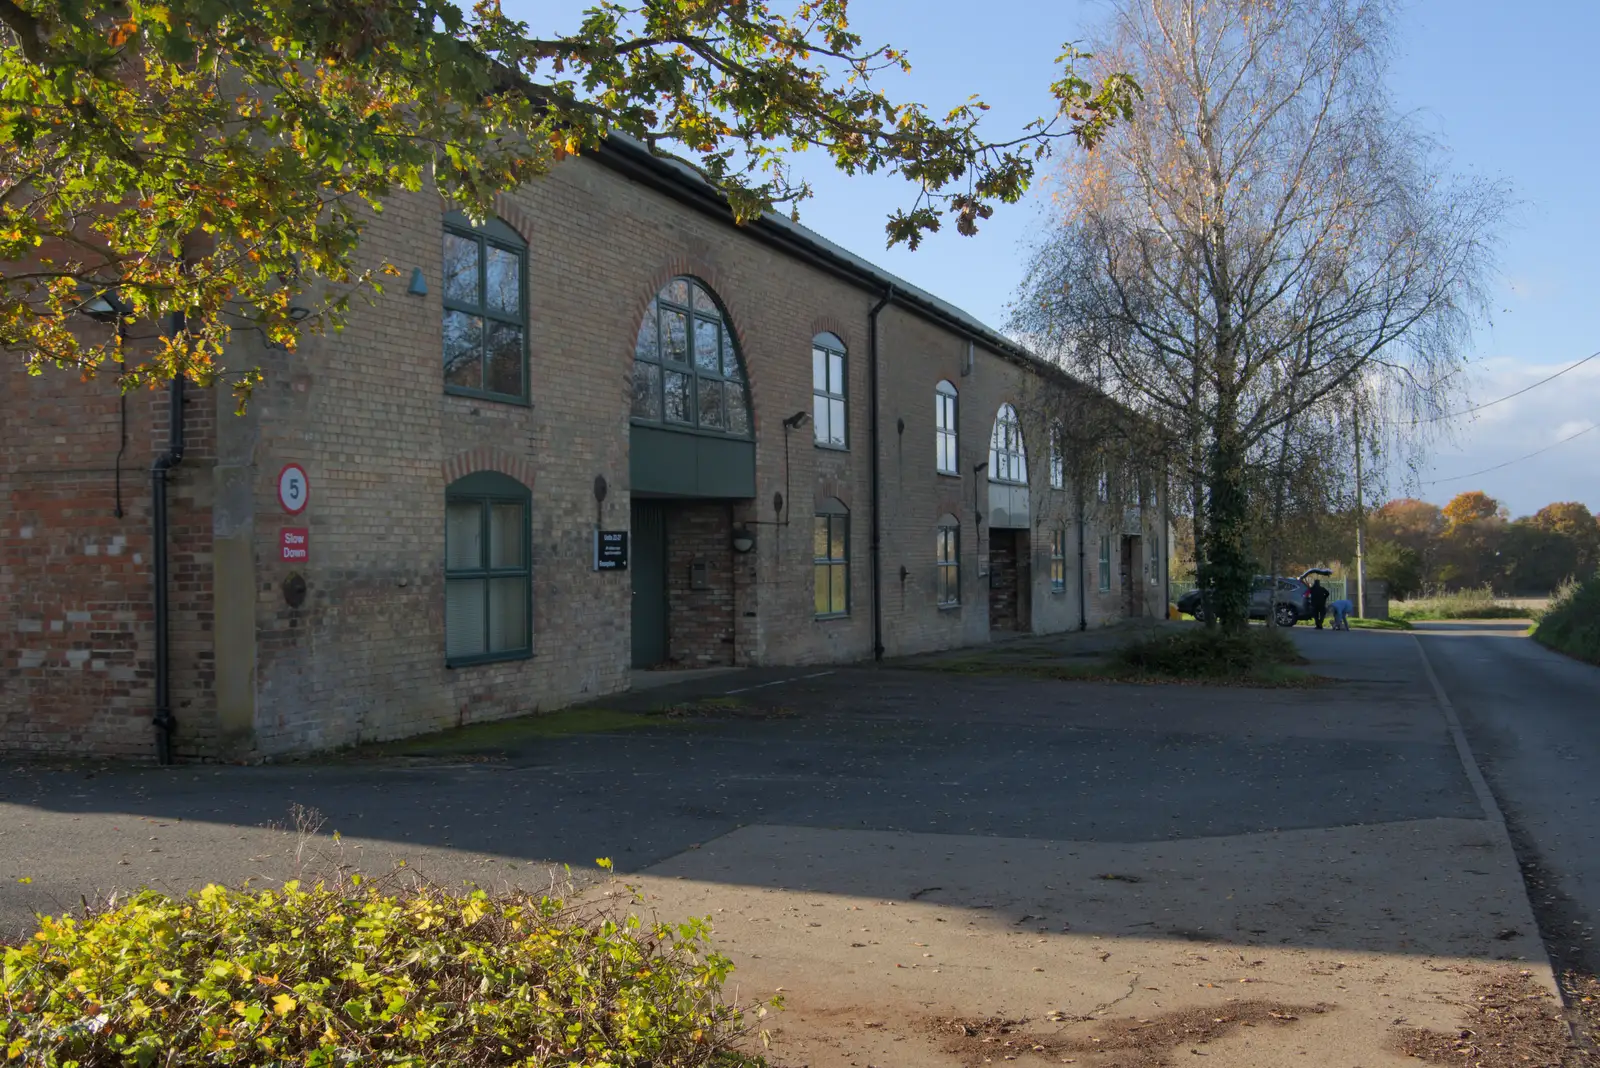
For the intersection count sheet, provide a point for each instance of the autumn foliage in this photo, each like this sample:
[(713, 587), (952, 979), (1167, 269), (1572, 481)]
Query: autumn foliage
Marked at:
[(1471, 542), (183, 169)]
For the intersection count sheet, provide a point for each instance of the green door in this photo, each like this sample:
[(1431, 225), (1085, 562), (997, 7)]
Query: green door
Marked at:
[(649, 570)]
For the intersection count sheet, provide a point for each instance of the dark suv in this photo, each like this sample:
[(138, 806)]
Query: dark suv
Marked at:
[(1291, 604)]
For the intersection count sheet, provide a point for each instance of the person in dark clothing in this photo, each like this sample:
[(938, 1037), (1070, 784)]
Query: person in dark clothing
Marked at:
[(1319, 601)]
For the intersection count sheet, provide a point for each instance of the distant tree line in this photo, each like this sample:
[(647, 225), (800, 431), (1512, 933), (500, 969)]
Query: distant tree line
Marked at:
[(1414, 546), (1472, 541)]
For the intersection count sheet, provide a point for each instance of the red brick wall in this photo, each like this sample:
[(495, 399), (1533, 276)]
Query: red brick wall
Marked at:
[(76, 663), (1003, 577), (700, 622)]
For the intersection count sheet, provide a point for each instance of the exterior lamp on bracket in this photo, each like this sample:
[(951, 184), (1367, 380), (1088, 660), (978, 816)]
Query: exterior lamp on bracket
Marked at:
[(744, 539)]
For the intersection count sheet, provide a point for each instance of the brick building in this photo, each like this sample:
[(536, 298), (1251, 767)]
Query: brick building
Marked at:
[(384, 545)]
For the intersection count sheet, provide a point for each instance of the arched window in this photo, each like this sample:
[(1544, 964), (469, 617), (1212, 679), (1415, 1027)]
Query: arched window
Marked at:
[(488, 611), (1058, 462), (1008, 460), (831, 558), (686, 368), (947, 585), (945, 434), (485, 309), (829, 391)]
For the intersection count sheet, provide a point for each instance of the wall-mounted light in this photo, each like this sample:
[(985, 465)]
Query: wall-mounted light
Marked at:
[(298, 313), (744, 539), (419, 284), (796, 421)]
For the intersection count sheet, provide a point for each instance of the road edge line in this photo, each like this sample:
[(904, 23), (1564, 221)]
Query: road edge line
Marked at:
[(1469, 763), (1491, 811)]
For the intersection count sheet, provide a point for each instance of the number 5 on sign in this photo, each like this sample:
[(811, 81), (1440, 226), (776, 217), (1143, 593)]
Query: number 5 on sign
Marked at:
[(294, 489)]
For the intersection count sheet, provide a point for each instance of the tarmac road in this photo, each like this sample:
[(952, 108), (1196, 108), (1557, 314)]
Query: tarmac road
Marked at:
[(893, 847), (1532, 717)]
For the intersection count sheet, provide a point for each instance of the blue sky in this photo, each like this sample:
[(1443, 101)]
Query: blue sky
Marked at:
[(1506, 87)]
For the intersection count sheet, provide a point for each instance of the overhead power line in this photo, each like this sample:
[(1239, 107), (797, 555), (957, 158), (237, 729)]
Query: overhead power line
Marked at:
[(1497, 400), (1518, 460)]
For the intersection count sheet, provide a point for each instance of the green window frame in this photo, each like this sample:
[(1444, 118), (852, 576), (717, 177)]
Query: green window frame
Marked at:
[(831, 560), (488, 575), (947, 583), (1105, 563), (687, 372), (1058, 560), (946, 429), (830, 392), (485, 298)]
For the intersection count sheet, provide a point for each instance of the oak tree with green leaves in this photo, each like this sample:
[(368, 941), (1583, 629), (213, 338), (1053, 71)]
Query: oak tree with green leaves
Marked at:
[(203, 162)]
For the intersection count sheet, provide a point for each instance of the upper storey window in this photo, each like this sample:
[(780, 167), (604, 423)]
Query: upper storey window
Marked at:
[(1008, 459), (686, 369), (485, 310)]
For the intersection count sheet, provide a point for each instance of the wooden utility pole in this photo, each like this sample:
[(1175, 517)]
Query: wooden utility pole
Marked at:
[(1361, 527)]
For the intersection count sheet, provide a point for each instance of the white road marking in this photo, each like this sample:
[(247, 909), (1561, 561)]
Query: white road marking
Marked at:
[(779, 682)]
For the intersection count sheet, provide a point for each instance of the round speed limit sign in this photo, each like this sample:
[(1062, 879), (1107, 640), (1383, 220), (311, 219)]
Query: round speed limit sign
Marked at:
[(294, 489)]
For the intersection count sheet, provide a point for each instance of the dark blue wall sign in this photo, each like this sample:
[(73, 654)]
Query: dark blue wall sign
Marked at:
[(611, 550)]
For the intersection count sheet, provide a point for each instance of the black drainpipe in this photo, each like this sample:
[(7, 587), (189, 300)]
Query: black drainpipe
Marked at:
[(158, 511), (1083, 613), (877, 475)]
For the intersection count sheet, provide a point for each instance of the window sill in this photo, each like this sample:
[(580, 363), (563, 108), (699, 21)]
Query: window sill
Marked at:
[(831, 448), (950, 607), (1058, 591), (949, 474), (483, 395), (453, 663), (830, 617)]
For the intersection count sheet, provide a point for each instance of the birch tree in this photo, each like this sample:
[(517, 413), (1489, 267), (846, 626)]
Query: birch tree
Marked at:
[(1265, 235)]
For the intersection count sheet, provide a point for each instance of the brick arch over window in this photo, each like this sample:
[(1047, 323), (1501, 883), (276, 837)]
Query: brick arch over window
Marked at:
[(832, 487), (829, 324), (511, 213), (699, 271), (488, 458)]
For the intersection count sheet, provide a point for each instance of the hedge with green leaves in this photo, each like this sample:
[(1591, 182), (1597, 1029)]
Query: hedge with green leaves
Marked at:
[(354, 974), (1572, 622)]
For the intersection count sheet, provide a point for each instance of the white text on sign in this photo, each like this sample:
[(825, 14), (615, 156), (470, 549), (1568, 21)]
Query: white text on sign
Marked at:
[(295, 544)]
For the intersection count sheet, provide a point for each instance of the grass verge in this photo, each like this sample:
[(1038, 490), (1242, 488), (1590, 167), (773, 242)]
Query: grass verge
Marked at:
[(1462, 604), (503, 736), (1571, 624), (1259, 657), (355, 972), (1380, 624)]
